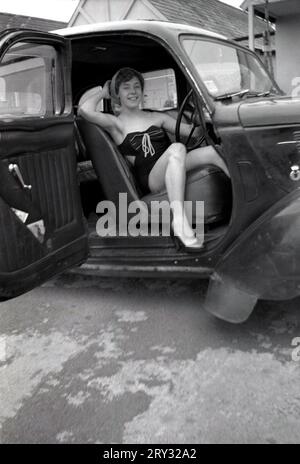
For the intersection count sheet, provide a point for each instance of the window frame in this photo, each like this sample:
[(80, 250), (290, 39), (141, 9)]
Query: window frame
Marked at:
[(62, 48), (224, 42), (163, 70)]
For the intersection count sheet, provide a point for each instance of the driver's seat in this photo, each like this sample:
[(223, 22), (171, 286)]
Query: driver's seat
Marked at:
[(208, 184)]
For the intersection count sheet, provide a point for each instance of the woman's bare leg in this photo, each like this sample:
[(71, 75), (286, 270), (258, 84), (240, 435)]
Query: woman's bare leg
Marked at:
[(170, 172)]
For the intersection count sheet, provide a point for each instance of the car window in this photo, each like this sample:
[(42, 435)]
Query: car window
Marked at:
[(160, 90), (225, 69), (30, 82)]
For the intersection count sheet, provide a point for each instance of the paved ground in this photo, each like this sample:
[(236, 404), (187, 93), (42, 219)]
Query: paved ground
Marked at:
[(139, 361)]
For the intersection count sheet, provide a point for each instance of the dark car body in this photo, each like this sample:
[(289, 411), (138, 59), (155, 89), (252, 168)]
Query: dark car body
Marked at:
[(252, 249)]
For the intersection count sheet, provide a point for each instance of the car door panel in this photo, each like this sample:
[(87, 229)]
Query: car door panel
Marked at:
[(42, 230)]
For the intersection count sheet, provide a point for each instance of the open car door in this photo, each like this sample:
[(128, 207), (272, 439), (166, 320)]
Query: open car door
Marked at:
[(42, 230)]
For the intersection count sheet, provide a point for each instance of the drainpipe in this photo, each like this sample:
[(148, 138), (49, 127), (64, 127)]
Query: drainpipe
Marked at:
[(267, 41), (251, 26)]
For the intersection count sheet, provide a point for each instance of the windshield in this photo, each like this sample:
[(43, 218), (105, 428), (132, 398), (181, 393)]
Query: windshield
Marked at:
[(226, 70)]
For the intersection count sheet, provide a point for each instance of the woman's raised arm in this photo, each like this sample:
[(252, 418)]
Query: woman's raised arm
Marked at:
[(88, 109)]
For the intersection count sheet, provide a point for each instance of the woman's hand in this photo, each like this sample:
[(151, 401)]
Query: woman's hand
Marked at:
[(106, 90)]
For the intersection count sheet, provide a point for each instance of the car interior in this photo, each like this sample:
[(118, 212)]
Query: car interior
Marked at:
[(103, 172)]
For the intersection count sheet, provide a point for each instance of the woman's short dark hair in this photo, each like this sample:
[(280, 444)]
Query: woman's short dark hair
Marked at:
[(125, 75)]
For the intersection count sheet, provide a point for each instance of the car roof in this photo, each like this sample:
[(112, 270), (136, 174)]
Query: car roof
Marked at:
[(161, 28)]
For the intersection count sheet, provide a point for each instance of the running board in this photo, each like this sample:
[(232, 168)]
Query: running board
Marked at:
[(144, 247), (91, 267), (129, 242)]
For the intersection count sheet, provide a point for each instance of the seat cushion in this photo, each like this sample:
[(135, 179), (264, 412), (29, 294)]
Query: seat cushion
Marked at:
[(208, 184)]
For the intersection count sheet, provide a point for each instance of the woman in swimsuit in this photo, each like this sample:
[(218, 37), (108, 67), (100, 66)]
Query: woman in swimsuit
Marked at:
[(142, 137)]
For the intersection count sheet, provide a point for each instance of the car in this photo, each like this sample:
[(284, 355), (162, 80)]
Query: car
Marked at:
[(59, 172)]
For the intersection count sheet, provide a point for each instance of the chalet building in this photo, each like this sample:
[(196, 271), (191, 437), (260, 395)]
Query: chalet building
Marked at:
[(212, 15)]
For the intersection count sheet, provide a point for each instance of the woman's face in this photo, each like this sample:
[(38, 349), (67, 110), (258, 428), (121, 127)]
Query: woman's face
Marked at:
[(130, 93)]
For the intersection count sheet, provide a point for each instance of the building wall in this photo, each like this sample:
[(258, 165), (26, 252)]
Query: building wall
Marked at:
[(140, 10), (102, 10), (107, 10), (79, 21), (288, 53)]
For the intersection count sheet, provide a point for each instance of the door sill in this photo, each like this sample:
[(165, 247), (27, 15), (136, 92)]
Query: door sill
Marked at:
[(92, 267)]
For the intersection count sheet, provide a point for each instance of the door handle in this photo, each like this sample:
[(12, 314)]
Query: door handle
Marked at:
[(15, 170), (295, 173)]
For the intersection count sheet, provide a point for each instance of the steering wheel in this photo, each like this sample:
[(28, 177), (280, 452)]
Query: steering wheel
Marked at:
[(198, 140)]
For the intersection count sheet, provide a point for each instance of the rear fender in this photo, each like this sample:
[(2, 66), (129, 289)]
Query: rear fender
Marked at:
[(264, 262)]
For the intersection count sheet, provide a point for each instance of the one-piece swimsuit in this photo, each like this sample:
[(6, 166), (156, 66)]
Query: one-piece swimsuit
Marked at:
[(147, 147)]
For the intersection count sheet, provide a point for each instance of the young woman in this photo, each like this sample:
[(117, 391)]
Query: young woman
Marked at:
[(142, 137)]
